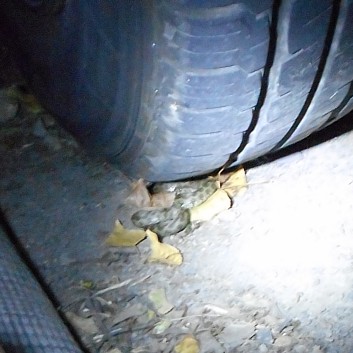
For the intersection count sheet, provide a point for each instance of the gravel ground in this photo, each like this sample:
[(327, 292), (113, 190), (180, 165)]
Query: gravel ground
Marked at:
[(272, 274)]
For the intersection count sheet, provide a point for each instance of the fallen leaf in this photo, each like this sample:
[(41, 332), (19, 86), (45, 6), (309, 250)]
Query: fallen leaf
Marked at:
[(139, 196), (124, 237), (162, 199), (163, 253), (161, 326), (188, 344), (160, 302), (215, 204), (236, 183), (151, 314), (87, 284)]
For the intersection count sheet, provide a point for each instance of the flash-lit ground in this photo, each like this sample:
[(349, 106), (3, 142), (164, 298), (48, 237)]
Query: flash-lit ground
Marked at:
[(272, 274)]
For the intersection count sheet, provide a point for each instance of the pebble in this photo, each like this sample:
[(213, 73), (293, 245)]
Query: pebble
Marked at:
[(39, 129), (8, 107), (263, 348), (234, 334), (209, 344), (283, 341), (264, 335)]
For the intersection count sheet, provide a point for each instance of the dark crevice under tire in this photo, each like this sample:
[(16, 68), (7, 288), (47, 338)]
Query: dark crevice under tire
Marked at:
[(171, 90)]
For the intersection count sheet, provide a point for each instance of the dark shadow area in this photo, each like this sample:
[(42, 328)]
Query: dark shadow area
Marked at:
[(338, 128)]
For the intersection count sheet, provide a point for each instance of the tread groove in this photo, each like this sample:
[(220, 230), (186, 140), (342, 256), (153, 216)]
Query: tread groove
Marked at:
[(323, 59), (335, 112), (264, 85)]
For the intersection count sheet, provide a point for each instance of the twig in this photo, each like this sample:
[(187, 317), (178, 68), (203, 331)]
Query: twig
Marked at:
[(119, 285), (119, 331), (200, 315), (105, 290)]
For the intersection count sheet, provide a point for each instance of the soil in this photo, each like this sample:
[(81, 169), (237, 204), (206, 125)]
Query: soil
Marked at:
[(272, 274)]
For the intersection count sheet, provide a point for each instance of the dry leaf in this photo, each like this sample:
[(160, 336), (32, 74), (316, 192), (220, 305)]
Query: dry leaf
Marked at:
[(124, 237), (162, 199), (236, 183), (160, 302), (139, 196), (163, 253), (188, 344), (215, 204), (161, 326)]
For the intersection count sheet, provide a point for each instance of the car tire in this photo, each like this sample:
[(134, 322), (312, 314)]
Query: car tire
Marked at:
[(170, 90)]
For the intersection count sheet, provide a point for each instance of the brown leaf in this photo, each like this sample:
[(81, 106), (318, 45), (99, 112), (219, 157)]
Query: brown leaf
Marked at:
[(139, 196), (236, 183), (188, 344), (163, 253), (215, 204), (121, 236)]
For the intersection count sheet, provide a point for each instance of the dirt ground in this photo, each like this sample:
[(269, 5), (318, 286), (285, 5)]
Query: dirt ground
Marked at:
[(272, 274)]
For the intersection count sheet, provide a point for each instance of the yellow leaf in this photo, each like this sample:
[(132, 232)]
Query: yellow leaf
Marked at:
[(125, 237), (139, 196), (215, 204), (188, 344), (163, 253), (236, 183)]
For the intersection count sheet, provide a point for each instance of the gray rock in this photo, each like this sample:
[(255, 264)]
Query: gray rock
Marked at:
[(39, 129), (208, 343), (283, 341), (8, 107), (234, 334)]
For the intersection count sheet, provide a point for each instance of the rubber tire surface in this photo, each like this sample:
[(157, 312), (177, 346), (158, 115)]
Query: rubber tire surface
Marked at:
[(174, 89)]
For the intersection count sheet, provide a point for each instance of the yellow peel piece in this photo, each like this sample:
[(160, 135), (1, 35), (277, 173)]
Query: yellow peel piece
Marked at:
[(188, 344), (121, 236), (236, 183), (163, 253), (215, 204)]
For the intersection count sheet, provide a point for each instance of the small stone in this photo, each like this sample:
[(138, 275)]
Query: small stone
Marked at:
[(283, 341), (209, 344), (317, 349), (264, 335), (299, 348), (8, 107), (235, 334), (39, 129), (263, 348)]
